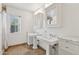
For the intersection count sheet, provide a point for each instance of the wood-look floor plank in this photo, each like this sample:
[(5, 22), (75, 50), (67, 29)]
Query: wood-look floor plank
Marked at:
[(24, 49)]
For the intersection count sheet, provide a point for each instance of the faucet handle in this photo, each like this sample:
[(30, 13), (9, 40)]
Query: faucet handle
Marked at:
[(52, 35)]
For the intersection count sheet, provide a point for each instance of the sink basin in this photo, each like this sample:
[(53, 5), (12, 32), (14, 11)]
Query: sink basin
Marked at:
[(48, 39)]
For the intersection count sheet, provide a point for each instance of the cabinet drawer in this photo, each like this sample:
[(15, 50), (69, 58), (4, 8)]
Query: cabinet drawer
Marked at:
[(69, 47), (62, 43), (64, 52)]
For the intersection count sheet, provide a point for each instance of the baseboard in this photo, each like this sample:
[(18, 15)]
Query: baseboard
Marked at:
[(17, 44), (1, 52)]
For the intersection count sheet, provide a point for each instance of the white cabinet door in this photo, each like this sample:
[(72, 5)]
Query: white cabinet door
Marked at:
[(68, 46), (64, 52)]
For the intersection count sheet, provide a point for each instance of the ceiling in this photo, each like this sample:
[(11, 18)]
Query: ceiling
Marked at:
[(26, 6)]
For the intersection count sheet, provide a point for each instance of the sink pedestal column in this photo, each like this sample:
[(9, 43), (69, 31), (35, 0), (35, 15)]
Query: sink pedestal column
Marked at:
[(34, 43)]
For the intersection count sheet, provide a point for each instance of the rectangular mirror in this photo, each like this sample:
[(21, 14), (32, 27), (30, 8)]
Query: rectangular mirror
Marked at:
[(53, 15)]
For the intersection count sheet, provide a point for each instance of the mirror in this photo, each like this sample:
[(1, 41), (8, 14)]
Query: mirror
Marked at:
[(53, 15)]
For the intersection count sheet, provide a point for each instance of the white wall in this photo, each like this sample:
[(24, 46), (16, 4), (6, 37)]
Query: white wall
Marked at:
[(0, 29), (26, 24), (0, 33), (70, 25)]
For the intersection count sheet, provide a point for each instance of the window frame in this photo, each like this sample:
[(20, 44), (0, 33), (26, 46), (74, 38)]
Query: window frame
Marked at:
[(18, 24)]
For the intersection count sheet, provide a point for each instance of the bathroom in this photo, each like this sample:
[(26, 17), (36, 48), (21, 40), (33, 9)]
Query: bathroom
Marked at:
[(41, 29)]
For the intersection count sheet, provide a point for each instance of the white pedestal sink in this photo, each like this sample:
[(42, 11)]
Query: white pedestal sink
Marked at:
[(34, 41)]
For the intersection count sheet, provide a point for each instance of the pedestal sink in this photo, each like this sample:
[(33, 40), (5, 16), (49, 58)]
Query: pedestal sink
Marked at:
[(34, 41)]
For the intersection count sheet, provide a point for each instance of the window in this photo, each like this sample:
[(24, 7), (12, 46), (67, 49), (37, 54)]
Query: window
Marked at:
[(15, 25)]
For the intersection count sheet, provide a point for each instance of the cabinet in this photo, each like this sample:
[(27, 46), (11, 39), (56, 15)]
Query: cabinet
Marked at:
[(38, 18), (68, 47)]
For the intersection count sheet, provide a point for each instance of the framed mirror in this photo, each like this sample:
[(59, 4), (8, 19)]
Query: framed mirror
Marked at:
[(53, 15)]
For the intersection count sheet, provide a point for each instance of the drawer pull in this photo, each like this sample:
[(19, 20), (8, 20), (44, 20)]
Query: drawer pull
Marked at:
[(67, 47), (67, 41)]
